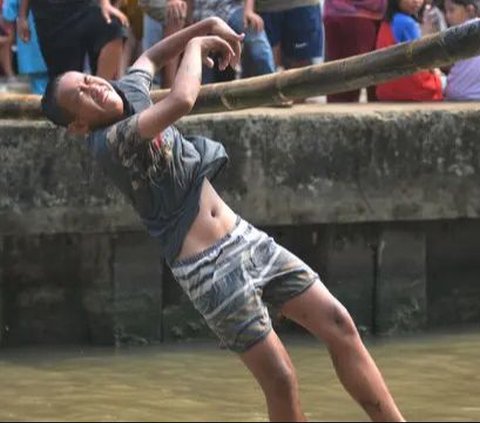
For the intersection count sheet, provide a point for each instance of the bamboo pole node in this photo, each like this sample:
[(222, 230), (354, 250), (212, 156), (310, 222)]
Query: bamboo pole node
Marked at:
[(225, 102), (279, 92)]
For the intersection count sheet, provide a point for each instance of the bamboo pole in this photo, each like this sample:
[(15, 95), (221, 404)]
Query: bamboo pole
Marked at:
[(355, 72), (20, 106)]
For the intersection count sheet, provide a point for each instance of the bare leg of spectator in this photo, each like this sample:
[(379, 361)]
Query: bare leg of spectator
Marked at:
[(277, 55), (110, 59), (129, 51), (6, 56), (152, 33)]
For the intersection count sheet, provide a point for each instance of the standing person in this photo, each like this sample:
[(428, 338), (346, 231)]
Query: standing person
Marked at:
[(294, 28), (463, 81), (163, 18), (227, 267), (402, 25), (6, 40), (257, 58), (29, 57), (68, 30), (351, 28), (133, 44)]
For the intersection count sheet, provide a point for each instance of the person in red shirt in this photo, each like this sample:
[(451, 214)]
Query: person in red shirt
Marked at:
[(351, 28), (401, 24)]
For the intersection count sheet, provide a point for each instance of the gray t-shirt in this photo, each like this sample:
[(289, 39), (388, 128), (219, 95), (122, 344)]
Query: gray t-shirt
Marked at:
[(162, 177)]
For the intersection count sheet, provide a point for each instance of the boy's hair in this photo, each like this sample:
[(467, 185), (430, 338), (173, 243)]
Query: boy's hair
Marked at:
[(50, 107), (393, 7), (474, 3)]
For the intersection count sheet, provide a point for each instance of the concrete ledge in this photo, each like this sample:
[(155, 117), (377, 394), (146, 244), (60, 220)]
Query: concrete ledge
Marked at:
[(309, 164), (383, 201)]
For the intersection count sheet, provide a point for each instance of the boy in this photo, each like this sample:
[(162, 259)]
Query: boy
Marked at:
[(225, 265)]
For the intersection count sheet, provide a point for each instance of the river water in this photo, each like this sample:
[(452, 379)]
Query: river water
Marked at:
[(432, 377)]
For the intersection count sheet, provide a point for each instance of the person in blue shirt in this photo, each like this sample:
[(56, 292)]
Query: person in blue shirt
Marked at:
[(404, 17), (29, 56)]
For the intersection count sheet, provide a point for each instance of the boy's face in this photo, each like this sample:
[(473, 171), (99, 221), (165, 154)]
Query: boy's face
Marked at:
[(91, 100)]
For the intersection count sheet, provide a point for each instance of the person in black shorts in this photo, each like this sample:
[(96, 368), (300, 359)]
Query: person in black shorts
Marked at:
[(70, 30)]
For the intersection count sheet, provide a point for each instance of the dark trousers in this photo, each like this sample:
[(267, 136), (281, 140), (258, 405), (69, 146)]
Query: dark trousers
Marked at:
[(347, 36), (69, 31)]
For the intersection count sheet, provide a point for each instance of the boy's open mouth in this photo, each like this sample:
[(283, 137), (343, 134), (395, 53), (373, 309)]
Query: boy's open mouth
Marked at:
[(100, 95)]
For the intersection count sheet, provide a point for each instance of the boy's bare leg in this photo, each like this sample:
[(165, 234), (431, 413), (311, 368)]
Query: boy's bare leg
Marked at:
[(110, 60), (323, 315), (271, 365)]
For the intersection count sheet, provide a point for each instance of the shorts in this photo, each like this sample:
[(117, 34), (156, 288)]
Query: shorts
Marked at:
[(299, 32), (70, 31), (230, 282)]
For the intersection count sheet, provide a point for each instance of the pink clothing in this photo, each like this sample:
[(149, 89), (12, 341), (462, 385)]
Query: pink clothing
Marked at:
[(370, 9), (463, 82)]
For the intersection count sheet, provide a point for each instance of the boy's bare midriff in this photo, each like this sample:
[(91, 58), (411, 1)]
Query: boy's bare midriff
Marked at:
[(214, 220)]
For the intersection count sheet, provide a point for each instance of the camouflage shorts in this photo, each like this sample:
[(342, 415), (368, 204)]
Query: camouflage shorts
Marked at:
[(229, 282)]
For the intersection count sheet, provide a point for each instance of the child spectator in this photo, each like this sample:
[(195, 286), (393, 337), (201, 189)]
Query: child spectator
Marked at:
[(257, 57), (29, 57), (402, 24), (351, 28), (294, 28), (6, 49), (463, 81)]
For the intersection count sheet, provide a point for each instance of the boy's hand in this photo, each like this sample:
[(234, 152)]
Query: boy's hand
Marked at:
[(222, 30), (214, 45), (23, 29), (176, 13), (253, 20)]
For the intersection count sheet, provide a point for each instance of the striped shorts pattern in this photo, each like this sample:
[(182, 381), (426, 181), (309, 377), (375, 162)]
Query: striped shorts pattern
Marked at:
[(230, 282)]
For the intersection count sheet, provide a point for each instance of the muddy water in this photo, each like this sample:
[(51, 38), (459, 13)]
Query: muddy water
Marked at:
[(434, 378)]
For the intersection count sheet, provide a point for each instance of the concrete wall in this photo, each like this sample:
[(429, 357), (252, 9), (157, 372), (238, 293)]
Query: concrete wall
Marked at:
[(383, 202)]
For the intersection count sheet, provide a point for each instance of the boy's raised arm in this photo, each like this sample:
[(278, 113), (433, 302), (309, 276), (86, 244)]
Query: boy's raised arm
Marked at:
[(186, 86), (162, 52)]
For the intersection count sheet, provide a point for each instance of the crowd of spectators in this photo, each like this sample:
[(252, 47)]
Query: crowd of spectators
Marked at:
[(40, 39)]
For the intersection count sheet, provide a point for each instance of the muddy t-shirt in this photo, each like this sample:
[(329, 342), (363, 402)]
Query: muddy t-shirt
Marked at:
[(162, 177)]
